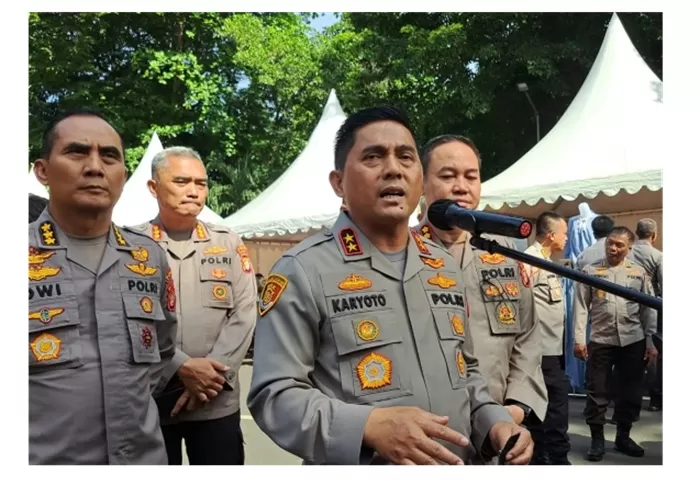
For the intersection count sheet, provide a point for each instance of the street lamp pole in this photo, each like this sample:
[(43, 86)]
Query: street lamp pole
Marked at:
[(522, 87)]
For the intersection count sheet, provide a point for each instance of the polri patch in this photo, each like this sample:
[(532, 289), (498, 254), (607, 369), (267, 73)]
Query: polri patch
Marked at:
[(275, 284)]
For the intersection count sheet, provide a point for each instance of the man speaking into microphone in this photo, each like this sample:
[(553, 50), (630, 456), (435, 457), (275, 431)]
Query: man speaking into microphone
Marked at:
[(500, 300)]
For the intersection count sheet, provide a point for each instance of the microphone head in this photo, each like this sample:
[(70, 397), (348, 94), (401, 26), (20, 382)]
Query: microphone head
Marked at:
[(437, 214)]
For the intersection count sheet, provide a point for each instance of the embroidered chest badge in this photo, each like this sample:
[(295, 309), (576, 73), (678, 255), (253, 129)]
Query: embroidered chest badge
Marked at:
[(374, 371)]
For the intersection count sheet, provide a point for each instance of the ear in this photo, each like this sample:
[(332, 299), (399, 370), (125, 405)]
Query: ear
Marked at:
[(40, 171), (336, 180), (152, 187)]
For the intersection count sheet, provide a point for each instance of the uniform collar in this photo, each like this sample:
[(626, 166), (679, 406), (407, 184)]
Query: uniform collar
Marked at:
[(199, 233), (51, 236), (541, 249)]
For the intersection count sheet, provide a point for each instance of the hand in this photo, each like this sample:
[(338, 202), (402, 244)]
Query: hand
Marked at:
[(188, 400), (202, 378), (517, 413), (581, 351), (404, 436), (521, 454), (651, 354)]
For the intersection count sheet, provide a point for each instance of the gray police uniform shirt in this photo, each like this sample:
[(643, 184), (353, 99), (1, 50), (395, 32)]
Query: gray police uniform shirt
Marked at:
[(651, 259), (506, 334), (98, 344), (340, 332), (614, 320), (549, 303), (592, 254), (216, 295)]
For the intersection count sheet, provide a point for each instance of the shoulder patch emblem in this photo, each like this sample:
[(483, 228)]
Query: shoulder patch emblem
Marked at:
[(355, 283), (245, 260), (442, 281), (349, 242), (488, 258), (419, 243), (45, 315), (275, 284), (47, 232), (367, 330), (374, 371), (215, 250), (46, 347), (524, 276)]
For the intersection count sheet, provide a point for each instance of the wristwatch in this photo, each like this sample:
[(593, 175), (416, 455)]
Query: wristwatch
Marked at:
[(526, 409)]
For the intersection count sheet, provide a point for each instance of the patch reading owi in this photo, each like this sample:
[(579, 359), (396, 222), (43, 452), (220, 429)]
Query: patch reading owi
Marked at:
[(457, 325), (374, 371), (275, 284), (245, 260), (170, 291), (146, 304), (488, 258), (349, 242), (219, 291), (46, 347), (419, 243), (355, 283), (461, 365), (433, 263), (146, 338), (367, 330), (45, 315), (442, 281), (524, 277), (505, 314)]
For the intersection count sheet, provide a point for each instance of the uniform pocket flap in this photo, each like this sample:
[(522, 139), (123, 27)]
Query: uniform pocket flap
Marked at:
[(450, 324), (47, 317), (143, 307), (359, 333)]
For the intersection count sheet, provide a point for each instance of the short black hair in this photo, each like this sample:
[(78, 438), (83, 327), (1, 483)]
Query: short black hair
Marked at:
[(345, 138), (433, 143), (49, 136), (543, 226), (646, 228), (602, 225), (622, 230), (36, 206)]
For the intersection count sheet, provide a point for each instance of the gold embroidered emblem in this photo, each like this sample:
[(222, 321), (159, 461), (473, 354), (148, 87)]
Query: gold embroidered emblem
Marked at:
[(488, 258), (141, 255), (600, 293), (219, 292), (425, 230), (46, 347), (433, 263), (146, 304), (367, 330), (201, 233), (348, 240), (215, 250), (218, 273), (354, 283), (457, 325), (275, 285), (505, 314), (374, 371), (45, 315), (245, 260), (37, 271), (524, 276), (156, 232), (512, 289), (461, 365), (442, 281), (48, 234), (118, 236), (492, 291), (419, 243)]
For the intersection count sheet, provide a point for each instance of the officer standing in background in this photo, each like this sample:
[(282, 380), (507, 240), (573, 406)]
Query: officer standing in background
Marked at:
[(216, 291), (651, 259), (101, 316), (601, 226), (507, 337), (621, 336), (551, 437), (368, 356), (36, 206)]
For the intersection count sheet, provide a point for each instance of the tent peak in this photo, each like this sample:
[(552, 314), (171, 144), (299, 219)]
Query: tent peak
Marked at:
[(332, 107)]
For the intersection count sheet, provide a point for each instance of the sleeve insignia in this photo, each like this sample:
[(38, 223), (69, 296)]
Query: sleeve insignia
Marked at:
[(275, 284)]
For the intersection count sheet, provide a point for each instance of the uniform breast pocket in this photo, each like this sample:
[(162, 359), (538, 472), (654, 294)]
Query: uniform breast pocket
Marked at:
[(451, 331), (54, 336), (369, 355), (142, 313), (216, 288)]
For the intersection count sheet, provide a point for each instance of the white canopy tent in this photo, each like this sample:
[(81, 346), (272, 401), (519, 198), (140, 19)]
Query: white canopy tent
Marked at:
[(606, 143), (137, 205), (36, 187), (301, 199)]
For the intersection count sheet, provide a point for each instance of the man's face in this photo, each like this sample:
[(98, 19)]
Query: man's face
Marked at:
[(382, 179), (453, 173), (559, 235), (617, 246), (181, 186), (85, 170)]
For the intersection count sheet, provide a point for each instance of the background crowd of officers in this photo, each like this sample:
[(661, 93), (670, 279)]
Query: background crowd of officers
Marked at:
[(375, 343)]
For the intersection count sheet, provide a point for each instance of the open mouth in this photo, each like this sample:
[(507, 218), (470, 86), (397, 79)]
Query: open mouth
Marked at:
[(392, 193)]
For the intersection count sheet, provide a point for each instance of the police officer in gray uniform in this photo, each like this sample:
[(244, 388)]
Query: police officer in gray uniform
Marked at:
[(363, 351), (621, 336), (101, 323), (601, 226)]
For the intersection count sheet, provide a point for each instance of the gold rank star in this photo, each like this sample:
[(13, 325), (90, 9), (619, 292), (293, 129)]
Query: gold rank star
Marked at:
[(349, 239)]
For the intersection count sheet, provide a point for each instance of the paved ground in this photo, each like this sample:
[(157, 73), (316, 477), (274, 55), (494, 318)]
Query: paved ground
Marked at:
[(260, 450)]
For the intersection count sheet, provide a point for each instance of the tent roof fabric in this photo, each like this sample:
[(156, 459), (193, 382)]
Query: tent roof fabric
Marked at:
[(601, 142), (137, 205)]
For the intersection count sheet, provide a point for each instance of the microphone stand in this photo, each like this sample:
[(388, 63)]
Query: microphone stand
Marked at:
[(642, 298)]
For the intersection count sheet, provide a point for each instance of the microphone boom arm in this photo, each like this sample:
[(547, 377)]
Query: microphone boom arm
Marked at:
[(618, 290)]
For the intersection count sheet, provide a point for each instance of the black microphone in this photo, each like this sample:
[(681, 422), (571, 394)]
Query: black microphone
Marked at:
[(446, 214)]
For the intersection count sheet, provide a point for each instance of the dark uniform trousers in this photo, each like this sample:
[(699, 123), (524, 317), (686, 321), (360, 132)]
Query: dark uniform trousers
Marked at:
[(210, 442), (656, 387), (551, 436), (629, 364)]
